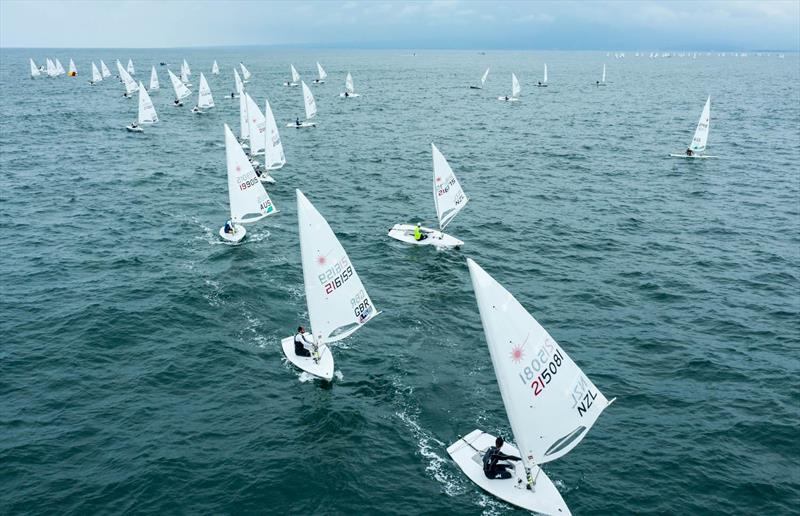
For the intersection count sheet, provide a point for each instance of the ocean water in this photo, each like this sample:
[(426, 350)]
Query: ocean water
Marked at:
[(140, 363)]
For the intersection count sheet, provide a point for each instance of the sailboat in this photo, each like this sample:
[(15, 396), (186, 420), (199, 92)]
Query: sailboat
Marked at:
[(311, 109), (256, 127), (274, 158), (249, 202), (449, 199), (603, 80), (543, 82), (515, 90), (215, 68), (238, 85), (96, 77), (104, 70), (244, 127), (154, 79), (700, 138), (551, 405), (245, 72), (131, 70), (59, 68), (349, 90), (338, 303), (295, 78), (73, 72), (35, 70), (185, 76), (185, 66), (204, 98), (147, 112), (322, 75), (483, 81), (181, 91), (51, 68), (127, 80)]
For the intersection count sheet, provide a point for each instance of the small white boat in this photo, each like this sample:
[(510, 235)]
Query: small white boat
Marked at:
[(127, 80), (295, 78), (96, 75), (700, 139), (515, 90), (311, 109), (154, 80), (73, 71), (246, 75), (256, 126), (449, 199), (104, 70), (215, 68), (180, 89), (349, 90), (147, 112), (204, 98), (483, 81), (274, 158), (238, 85), (543, 83), (322, 75), (131, 70), (602, 81)]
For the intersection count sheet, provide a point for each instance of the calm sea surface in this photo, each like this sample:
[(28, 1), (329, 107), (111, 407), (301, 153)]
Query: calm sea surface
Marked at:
[(140, 363)]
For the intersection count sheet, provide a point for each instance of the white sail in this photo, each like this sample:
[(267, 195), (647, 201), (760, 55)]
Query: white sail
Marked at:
[(204, 98), (154, 79), (96, 77), (127, 80), (348, 84), (249, 201), (59, 68), (215, 68), (131, 70), (245, 72), (72, 70), (244, 128), (104, 69), (701, 133), (147, 112), (181, 91), (448, 196), (550, 403), (515, 90), (308, 99), (51, 68), (338, 303), (545, 74), (273, 152), (485, 75), (295, 75), (256, 126), (238, 82), (603, 80), (322, 74), (35, 70), (184, 75), (185, 66)]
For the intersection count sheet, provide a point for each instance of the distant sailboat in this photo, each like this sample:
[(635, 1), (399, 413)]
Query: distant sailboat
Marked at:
[(131, 70), (256, 127), (96, 76), (449, 199), (59, 68), (215, 68), (104, 69), (51, 68), (602, 81), (311, 109), (147, 112), (185, 76), (249, 202), (543, 82), (204, 98), (185, 66), (295, 78), (154, 79), (35, 70), (181, 91), (322, 74), (127, 80), (700, 139), (349, 90), (550, 403), (274, 157), (338, 304), (245, 73), (244, 127), (73, 72), (515, 90), (483, 80)]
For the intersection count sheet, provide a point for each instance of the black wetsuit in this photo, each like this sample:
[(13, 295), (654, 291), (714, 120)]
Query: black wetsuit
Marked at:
[(299, 349), (490, 466)]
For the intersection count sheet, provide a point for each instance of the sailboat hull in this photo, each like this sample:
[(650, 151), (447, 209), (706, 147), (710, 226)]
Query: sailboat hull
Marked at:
[(693, 156), (321, 369), (405, 233), (509, 99), (302, 124), (239, 232), (543, 498), (349, 95)]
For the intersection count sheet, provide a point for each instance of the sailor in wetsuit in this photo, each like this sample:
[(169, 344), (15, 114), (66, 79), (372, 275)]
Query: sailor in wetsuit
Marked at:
[(302, 346), (491, 468)]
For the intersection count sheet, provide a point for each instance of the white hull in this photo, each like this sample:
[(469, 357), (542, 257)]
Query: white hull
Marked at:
[(405, 233), (349, 95), (132, 129), (475, 88), (302, 124), (542, 498), (276, 166), (693, 156), (317, 81), (321, 369), (239, 232), (266, 178), (291, 84), (197, 110), (509, 99)]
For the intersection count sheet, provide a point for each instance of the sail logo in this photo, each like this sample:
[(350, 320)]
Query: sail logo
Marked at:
[(518, 353)]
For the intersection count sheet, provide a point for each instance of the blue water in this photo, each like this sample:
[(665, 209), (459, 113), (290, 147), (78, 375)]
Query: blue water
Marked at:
[(140, 364)]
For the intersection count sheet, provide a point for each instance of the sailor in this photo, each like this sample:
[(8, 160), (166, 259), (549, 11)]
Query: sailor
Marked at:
[(506, 97), (491, 468), (228, 227), (689, 152), (302, 346), (297, 121), (346, 94), (540, 83), (233, 95), (598, 83), (177, 102), (134, 125), (418, 234)]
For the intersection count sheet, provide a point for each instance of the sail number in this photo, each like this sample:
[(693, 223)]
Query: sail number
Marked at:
[(444, 188), (245, 181), (543, 367), (336, 275)]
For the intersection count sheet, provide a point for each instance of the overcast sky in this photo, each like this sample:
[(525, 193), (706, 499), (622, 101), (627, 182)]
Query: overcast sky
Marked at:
[(601, 25)]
